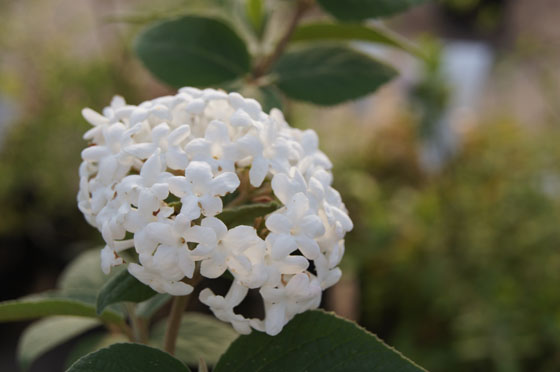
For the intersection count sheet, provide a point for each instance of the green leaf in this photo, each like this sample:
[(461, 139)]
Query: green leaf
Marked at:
[(321, 31), (85, 272), (358, 10), (200, 336), (93, 343), (123, 287), (46, 334), (55, 303), (193, 51), (270, 98), (255, 14), (314, 341), (127, 357), (328, 75), (149, 307), (246, 214)]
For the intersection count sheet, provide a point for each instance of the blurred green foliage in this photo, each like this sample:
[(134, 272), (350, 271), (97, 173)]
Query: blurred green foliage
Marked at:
[(41, 227), (460, 270)]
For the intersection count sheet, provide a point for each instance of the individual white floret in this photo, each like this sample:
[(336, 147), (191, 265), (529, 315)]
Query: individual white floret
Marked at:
[(200, 190), (295, 227)]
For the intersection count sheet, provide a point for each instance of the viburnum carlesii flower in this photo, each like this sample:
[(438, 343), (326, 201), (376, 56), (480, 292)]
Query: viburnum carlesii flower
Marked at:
[(205, 184)]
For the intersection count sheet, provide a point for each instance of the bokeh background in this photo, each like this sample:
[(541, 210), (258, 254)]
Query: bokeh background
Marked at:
[(451, 173)]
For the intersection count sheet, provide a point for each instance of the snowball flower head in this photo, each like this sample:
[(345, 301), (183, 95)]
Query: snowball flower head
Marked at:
[(204, 183)]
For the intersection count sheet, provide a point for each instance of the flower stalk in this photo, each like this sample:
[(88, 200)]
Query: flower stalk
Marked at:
[(173, 322)]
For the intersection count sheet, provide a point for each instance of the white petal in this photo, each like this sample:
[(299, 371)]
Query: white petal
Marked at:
[(160, 190), (95, 153), (139, 114), (258, 172), (141, 150), (107, 168), (216, 225), (94, 118), (308, 247), (312, 226), (179, 186), (292, 264), (236, 294), (151, 169), (176, 158), (299, 205), (185, 262), (224, 183), (212, 268), (161, 232), (147, 202), (240, 238), (178, 288), (285, 188), (179, 134), (211, 205), (279, 223), (282, 245), (199, 173), (240, 119), (196, 106), (275, 318), (159, 132), (202, 234), (217, 132), (298, 285), (331, 279)]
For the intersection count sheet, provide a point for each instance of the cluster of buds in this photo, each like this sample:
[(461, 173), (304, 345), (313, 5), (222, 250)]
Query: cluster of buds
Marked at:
[(158, 179)]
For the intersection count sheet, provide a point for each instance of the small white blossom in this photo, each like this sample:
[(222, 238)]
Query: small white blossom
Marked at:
[(157, 176)]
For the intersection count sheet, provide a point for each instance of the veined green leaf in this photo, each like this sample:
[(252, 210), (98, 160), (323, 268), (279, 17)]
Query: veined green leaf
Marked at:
[(93, 343), (127, 357), (314, 341), (329, 74)]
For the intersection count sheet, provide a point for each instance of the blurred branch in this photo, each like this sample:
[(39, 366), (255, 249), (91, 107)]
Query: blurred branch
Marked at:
[(262, 68)]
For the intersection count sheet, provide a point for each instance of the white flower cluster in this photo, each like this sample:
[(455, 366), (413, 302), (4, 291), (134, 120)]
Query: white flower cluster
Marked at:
[(156, 176)]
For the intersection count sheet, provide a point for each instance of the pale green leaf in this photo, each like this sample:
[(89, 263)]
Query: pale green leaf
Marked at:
[(321, 31), (56, 303), (48, 333)]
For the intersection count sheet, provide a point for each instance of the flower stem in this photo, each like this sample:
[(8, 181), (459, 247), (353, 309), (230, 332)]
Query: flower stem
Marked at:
[(173, 322), (263, 67)]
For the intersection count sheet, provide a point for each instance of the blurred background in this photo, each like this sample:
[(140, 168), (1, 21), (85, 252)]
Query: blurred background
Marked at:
[(451, 173)]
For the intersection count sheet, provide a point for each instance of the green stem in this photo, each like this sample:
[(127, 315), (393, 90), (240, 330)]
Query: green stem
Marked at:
[(173, 322), (139, 326)]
